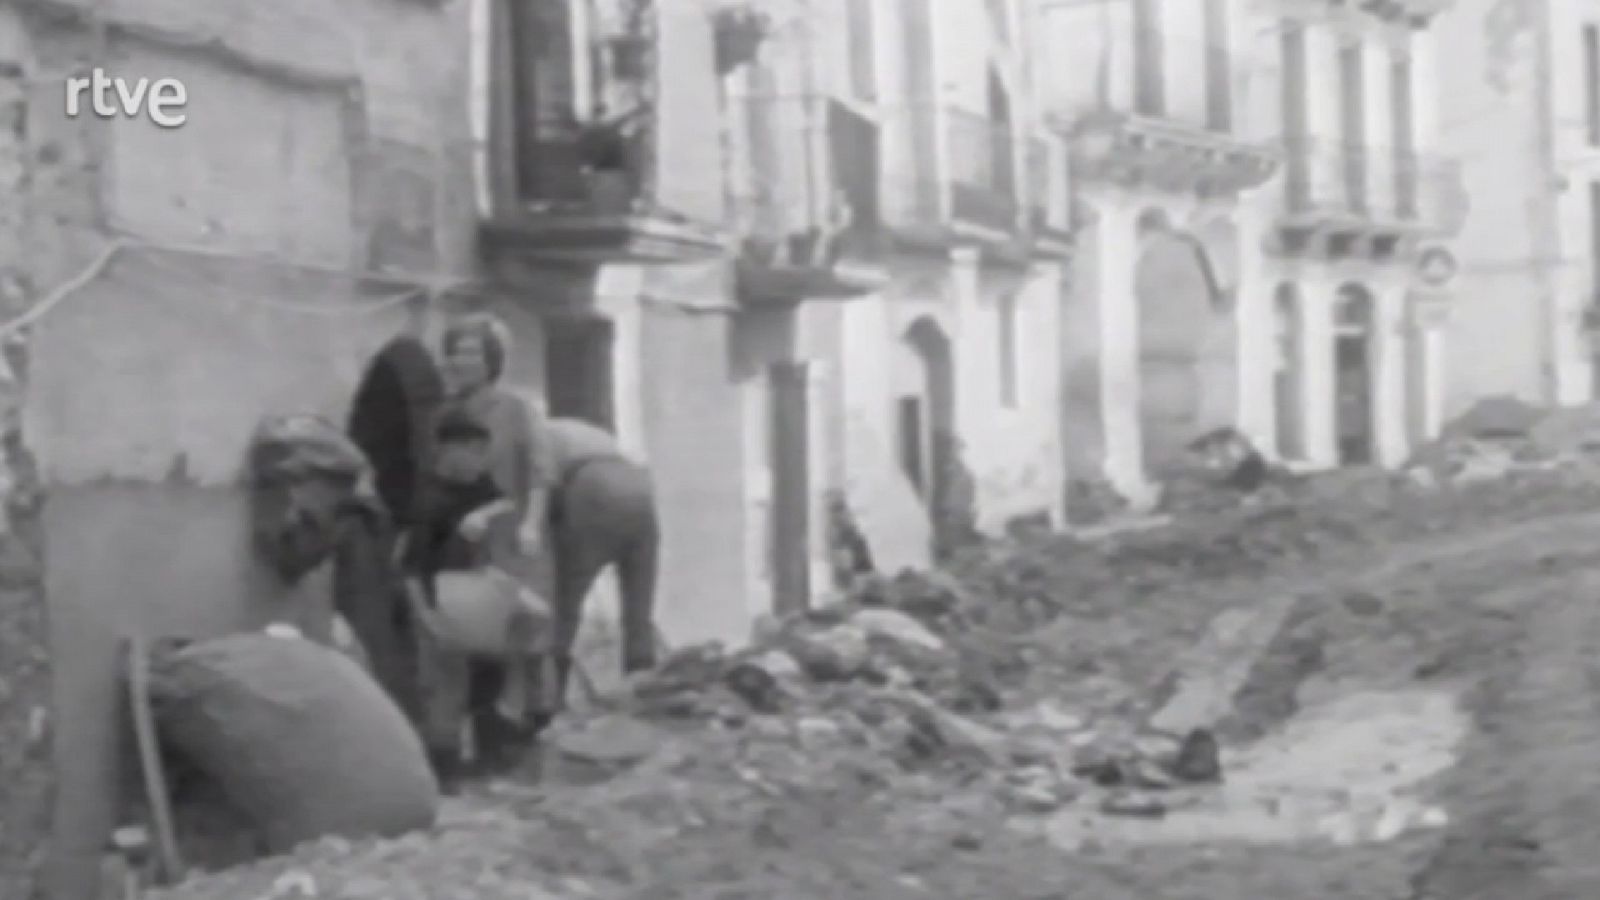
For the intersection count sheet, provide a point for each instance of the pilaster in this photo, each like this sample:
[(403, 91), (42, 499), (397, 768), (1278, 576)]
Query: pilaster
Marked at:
[(1318, 293)]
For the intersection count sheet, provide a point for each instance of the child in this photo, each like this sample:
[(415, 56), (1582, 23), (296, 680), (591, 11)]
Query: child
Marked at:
[(465, 525)]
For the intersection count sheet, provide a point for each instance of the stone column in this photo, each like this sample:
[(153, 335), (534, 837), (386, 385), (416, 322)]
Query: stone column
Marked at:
[(1318, 299), (1117, 253), (1389, 391), (1433, 320), (617, 294), (1255, 318)]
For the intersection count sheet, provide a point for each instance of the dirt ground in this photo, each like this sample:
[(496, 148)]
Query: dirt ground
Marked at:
[(1483, 609)]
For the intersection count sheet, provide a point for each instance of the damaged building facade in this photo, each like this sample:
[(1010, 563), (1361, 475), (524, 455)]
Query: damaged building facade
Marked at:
[(1254, 230), (798, 256), (849, 290)]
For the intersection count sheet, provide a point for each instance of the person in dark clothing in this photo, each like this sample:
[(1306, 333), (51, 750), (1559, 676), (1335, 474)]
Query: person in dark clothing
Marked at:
[(464, 523)]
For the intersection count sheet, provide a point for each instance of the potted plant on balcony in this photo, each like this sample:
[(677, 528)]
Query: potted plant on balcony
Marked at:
[(606, 150), (739, 29)]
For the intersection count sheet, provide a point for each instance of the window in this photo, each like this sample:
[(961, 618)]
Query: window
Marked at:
[(543, 74), (1006, 327), (1352, 94), (1591, 81), (1294, 79)]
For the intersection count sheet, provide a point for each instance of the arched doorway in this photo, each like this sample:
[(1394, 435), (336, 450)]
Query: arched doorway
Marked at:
[(1177, 314), (1353, 375), (1286, 381), (925, 413)]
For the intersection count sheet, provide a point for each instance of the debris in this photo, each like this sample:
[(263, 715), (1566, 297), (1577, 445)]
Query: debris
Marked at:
[(833, 654), (1134, 805)]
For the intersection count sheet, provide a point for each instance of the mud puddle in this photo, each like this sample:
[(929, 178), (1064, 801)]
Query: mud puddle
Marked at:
[(1348, 771)]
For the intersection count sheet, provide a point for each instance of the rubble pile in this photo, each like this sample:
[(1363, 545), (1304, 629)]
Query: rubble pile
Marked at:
[(1500, 436), (919, 688)]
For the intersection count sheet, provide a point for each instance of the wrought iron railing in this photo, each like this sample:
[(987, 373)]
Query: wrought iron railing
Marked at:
[(983, 168), (1142, 66), (1322, 175), (802, 165)]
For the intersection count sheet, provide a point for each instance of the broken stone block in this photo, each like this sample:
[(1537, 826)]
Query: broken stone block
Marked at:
[(896, 626), (1199, 758), (1134, 804), (762, 680), (834, 654)]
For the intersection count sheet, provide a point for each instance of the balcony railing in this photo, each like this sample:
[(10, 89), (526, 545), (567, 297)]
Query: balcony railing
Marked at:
[(565, 163), (1323, 176), (983, 170), (801, 162), (1378, 183), (1153, 74)]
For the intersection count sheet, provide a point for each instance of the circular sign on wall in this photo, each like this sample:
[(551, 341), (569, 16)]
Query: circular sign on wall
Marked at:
[(1436, 266)]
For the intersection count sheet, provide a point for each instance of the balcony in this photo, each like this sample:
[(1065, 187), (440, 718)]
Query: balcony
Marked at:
[(1344, 195), (577, 164), (1147, 122), (956, 181), (804, 195)]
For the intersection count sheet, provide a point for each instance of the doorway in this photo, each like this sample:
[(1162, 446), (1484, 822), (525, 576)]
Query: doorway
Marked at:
[(1286, 376), (789, 458), (1353, 376), (925, 421), (579, 376), (1177, 322)]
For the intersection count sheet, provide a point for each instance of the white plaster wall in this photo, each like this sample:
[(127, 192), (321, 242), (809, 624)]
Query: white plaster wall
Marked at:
[(1579, 163), (1393, 444), (1254, 320), (1072, 41), (1116, 249), (1495, 339), (1015, 453), (887, 508), (1425, 93)]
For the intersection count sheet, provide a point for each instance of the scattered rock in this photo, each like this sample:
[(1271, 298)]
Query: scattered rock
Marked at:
[(896, 626), (761, 680), (834, 654), (1199, 759), (1134, 805), (610, 740)]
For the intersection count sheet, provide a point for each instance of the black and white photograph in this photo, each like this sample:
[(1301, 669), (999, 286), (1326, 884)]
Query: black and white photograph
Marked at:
[(799, 449)]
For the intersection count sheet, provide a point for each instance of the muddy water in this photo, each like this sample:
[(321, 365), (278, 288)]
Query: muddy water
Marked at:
[(1347, 772)]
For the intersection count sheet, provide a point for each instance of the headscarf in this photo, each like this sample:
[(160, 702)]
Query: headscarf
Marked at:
[(490, 329)]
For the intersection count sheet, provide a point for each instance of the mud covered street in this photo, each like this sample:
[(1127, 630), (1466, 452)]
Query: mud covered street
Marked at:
[(1403, 685)]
